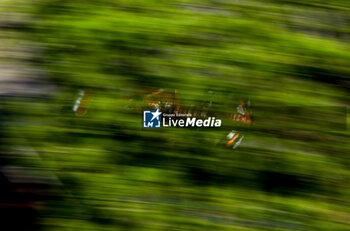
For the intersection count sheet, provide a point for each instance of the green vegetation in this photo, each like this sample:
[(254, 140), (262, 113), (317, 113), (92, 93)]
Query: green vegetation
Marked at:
[(118, 176)]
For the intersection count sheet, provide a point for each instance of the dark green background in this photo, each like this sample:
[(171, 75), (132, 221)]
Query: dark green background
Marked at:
[(117, 176)]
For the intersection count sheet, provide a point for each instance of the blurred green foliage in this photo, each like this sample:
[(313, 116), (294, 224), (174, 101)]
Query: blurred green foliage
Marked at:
[(117, 176)]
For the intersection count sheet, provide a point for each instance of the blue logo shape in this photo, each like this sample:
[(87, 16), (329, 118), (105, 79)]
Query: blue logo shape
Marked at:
[(151, 119)]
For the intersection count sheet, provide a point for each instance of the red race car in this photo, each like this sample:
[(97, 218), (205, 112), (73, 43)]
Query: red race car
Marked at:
[(169, 102)]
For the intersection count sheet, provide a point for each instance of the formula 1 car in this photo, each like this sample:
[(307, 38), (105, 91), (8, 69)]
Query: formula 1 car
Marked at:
[(169, 102)]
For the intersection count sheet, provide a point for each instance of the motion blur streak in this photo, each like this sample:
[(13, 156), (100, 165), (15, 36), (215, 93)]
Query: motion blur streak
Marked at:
[(76, 75)]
